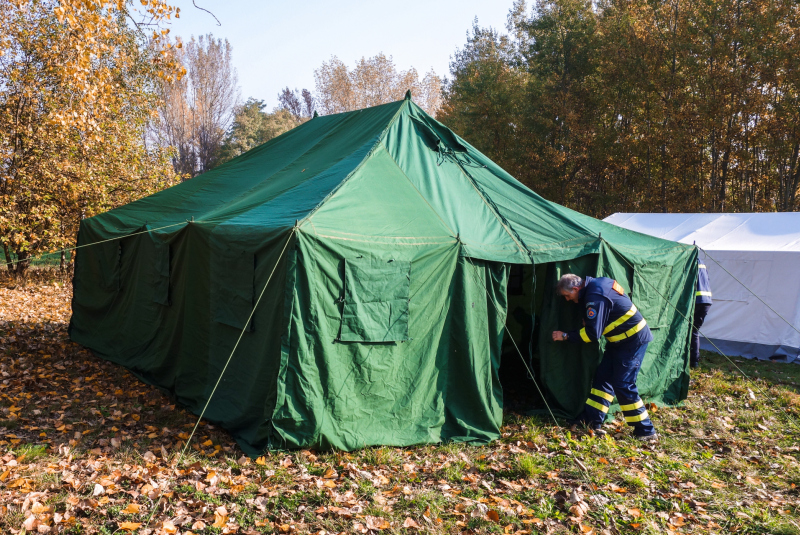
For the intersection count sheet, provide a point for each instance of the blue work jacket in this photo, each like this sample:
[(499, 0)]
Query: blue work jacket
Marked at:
[(609, 312), (703, 292)]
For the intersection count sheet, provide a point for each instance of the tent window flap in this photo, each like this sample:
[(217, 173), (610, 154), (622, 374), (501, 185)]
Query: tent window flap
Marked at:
[(375, 303), (232, 288)]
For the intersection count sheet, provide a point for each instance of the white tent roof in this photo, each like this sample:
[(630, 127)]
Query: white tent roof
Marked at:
[(775, 231)]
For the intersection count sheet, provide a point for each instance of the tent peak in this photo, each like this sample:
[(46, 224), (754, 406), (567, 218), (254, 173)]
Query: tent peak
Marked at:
[(315, 114), (408, 95)]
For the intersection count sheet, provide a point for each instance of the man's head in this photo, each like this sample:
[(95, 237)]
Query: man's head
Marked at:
[(569, 287)]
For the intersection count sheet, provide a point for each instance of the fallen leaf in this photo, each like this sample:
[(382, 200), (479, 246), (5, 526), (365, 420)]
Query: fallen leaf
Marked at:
[(493, 515), (220, 517), (377, 523), (132, 509), (37, 508), (330, 473), (410, 524), (129, 526), (513, 486), (30, 523), (579, 509)]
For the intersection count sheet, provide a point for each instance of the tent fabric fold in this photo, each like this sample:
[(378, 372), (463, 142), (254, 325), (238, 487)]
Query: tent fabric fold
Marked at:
[(391, 240)]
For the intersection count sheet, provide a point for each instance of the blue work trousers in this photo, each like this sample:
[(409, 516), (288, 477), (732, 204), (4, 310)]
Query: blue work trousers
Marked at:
[(616, 375)]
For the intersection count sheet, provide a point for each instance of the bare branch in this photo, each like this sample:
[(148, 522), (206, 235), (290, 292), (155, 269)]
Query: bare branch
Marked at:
[(207, 11)]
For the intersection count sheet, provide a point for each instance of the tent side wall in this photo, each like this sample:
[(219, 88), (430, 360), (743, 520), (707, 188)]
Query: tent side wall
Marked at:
[(738, 323), (170, 308), (648, 279), (441, 383)]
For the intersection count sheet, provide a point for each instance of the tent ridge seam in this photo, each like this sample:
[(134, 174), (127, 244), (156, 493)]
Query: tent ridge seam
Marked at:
[(341, 238), (513, 234)]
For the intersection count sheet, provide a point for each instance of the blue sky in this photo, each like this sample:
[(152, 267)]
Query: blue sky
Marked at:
[(280, 43)]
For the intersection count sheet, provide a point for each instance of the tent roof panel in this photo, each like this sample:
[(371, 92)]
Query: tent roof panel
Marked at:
[(316, 155), (454, 189)]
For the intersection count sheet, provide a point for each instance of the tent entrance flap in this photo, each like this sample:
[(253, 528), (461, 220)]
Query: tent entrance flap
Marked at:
[(520, 354)]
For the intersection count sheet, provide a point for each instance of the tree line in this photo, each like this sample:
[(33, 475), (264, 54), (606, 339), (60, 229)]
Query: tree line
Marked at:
[(638, 106), (202, 118), (616, 105), (100, 106)]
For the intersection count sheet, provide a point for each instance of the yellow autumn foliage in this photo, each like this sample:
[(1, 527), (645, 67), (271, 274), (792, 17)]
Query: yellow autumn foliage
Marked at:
[(77, 86)]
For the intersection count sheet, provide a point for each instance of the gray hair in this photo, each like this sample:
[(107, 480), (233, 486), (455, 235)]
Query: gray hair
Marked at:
[(567, 282)]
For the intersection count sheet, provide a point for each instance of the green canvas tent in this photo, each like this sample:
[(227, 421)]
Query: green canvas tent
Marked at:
[(380, 245)]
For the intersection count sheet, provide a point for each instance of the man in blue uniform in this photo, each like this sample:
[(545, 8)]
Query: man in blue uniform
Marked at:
[(609, 312), (702, 302)]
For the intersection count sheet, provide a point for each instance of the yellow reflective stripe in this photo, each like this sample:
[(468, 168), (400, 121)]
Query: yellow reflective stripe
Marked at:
[(605, 395), (619, 321), (637, 418), (632, 406), (584, 336), (630, 332), (701, 266), (703, 293), (596, 405)]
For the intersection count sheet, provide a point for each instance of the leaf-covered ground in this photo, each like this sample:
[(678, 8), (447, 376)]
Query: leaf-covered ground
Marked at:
[(87, 448)]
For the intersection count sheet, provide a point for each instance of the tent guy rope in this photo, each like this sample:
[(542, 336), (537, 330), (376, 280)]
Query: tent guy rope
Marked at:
[(67, 249), (592, 486)]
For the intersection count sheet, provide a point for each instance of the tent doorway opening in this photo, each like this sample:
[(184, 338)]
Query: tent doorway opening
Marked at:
[(520, 352)]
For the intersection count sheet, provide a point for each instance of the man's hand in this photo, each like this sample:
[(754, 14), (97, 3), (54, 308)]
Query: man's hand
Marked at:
[(558, 336)]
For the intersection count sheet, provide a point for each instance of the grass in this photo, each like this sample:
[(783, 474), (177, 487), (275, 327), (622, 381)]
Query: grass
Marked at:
[(727, 461)]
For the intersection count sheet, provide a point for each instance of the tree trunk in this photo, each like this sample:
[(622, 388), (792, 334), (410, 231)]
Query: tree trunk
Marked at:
[(22, 264), (9, 261)]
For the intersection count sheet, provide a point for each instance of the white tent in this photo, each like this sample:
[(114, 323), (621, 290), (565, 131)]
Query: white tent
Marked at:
[(763, 252)]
